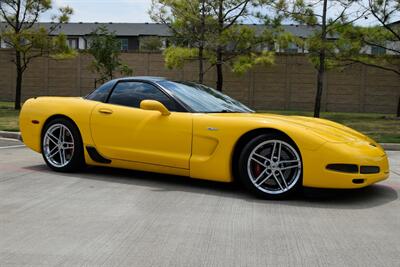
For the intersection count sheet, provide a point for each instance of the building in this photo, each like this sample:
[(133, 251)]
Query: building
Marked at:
[(132, 35)]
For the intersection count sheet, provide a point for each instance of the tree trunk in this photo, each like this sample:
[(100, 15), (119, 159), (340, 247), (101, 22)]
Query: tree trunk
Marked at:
[(398, 108), (18, 84), (202, 41), (320, 85), (220, 77), (321, 67), (201, 64)]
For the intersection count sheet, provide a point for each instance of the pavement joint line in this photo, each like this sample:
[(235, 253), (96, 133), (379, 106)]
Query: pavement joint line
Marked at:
[(4, 147), (9, 139)]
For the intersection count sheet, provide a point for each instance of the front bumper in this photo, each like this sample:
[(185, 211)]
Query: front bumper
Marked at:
[(361, 153)]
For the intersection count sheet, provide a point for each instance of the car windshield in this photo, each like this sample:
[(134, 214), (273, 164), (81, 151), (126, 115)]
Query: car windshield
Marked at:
[(201, 98)]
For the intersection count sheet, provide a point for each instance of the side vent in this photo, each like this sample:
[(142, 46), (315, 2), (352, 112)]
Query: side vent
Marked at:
[(95, 156), (348, 168)]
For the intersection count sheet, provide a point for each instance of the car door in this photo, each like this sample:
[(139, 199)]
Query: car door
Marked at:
[(121, 130)]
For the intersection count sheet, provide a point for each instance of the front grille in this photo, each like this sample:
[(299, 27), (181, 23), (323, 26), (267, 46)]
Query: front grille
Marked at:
[(349, 168), (369, 169)]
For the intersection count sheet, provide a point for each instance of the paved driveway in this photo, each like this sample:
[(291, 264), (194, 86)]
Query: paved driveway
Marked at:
[(124, 218)]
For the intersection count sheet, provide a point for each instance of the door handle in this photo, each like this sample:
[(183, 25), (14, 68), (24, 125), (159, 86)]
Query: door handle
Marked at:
[(105, 111)]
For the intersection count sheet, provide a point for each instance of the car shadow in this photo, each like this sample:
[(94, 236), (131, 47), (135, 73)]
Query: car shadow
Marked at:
[(363, 198)]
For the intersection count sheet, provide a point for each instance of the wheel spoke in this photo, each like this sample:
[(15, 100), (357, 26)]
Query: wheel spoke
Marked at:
[(277, 181), (261, 156), (261, 175), (259, 162), (289, 167), (283, 179), (61, 134), (52, 138), (53, 152), (273, 151), (289, 161), (265, 179), (279, 151), (68, 145), (62, 156)]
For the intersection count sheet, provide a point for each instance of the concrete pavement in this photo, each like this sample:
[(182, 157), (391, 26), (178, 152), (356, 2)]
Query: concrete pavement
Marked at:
[(115, 217)]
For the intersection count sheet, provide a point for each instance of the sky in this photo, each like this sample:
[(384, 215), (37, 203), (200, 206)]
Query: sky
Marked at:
[(104, 10), (126, 11)]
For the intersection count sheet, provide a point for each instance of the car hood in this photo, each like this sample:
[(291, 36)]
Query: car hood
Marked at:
[(328, 130)]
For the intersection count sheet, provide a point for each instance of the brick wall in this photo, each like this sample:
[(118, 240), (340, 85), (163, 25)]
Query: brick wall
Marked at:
[(289, 84)]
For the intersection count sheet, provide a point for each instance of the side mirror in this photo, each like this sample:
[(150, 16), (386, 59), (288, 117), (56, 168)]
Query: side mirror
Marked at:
[(154, 105)]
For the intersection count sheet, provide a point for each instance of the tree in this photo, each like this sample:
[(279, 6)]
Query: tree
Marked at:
[(327, 17), (28, 40), (150, 44), (106, 49), (190, 23), (228, 13), (206, 30), (384, 37)]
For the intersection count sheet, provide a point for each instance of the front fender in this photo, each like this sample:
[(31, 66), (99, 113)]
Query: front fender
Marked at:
[(215, 138)]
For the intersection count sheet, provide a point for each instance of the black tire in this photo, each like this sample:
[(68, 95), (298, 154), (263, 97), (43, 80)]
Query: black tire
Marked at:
[(73, 158), (272, 168)]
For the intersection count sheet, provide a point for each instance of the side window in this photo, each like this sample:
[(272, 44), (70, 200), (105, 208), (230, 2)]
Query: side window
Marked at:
[(101, 93), (132, 93)]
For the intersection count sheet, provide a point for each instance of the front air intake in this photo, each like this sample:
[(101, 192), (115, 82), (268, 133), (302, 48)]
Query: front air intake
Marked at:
[(338, 167)]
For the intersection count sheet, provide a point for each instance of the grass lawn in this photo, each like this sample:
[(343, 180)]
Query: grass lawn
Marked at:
[(381, 127), (8, 117)]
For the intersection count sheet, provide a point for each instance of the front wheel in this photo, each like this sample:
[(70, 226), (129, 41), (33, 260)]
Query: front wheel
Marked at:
[(270, 166), (62, 147)]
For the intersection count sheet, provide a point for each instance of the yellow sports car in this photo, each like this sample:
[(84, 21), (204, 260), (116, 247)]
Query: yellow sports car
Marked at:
[(181, 128)]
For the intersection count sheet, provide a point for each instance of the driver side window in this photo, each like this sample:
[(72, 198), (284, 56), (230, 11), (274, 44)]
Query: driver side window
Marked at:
[(130, 94)]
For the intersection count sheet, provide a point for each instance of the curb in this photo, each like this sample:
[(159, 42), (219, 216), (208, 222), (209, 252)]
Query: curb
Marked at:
[(391, 146), (17, 136), (11, 135)]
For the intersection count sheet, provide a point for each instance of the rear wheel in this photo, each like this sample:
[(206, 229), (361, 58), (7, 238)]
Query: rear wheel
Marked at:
[(270, 166), (62, 147)]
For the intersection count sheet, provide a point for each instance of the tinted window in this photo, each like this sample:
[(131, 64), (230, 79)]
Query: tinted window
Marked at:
[(201, 98), (132, 93), (101, 93)]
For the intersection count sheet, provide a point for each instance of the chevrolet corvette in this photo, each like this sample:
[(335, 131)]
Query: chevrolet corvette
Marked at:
[(183, 128)]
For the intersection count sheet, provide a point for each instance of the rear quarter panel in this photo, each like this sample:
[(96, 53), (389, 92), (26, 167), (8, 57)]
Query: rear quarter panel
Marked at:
[(42, 108)]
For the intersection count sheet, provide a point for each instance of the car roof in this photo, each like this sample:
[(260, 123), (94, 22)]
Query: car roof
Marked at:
[(143, 78)]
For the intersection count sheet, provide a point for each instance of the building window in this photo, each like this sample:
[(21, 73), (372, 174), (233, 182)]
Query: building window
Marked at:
[(377, 50), (72, 43), (124, 44)]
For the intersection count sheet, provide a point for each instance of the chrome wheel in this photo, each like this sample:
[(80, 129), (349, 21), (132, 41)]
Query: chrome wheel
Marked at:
[(274, 167), (58, 145)]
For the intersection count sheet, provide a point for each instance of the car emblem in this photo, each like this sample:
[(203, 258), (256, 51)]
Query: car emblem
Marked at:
[(212, 129)]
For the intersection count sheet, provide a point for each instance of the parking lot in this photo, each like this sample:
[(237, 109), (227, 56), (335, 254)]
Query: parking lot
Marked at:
[(116, 217)]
